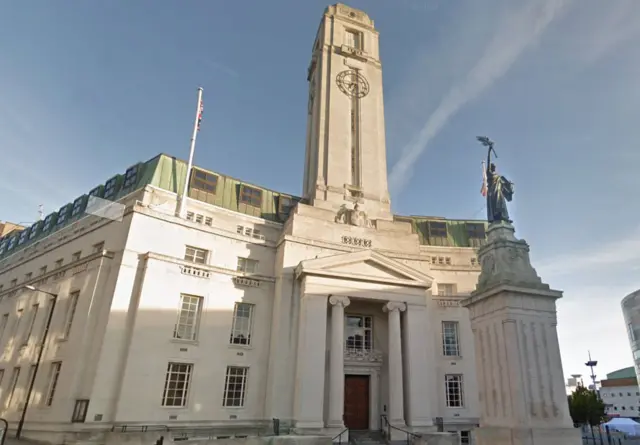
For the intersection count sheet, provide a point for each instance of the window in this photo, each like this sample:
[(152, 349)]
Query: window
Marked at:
[(1, 376), (59, 263), (99, 247), (450, 343), (130, 177), (110, 188), (72, 304), (78, 205), (23, 236), (176, 385), (16, 328), (190, 216), (285, 204), (43, 270), (235, 386), (30, 375), (76, 256), (35, 229), (199, 218), (353, 39), (465, 437), (188, 317), (80, 411), (437, 231), (359, 332), (247, 266), (446, 289), (97, 191), (632, 334), (48, 222), (32, 323), (454, 392), (208, 221), (3, 325), (53, 382), (250, 196), (28, 276), (14, 382), (62, 215), (241, 328), (195, 255), (14, 283), (204, 181)]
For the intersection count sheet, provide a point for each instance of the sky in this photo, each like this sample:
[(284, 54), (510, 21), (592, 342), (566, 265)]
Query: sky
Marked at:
[(90, 88)]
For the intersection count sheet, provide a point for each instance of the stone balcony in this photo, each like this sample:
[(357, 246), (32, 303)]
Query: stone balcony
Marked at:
[(362, 355)]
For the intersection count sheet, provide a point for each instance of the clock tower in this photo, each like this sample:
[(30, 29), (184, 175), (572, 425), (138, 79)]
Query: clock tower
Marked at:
[(345, 161)]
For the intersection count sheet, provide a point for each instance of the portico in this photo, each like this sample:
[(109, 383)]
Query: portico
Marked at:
[(361, 348)]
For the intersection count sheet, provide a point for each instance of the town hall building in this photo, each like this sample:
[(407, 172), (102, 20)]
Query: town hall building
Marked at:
[(325, 310)]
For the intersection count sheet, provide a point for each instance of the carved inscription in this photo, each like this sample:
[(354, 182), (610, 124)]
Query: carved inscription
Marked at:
[(355, 241), (448, 303)]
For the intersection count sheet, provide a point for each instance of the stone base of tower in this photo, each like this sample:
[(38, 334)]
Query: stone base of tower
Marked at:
[(527, 436)]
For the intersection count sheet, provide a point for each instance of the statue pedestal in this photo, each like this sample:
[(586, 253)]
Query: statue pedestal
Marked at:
[(513, 317)]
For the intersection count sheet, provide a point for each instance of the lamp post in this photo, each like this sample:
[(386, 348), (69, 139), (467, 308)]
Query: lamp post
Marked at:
[(54, 299)]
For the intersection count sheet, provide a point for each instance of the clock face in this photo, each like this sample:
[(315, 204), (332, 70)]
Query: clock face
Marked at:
[(352, 83)]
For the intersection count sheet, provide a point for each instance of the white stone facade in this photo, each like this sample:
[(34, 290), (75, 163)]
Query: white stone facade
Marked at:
[(331, 320)]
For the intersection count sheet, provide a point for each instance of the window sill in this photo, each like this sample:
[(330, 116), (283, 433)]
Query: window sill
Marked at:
[(452, 357), (180, 341), (233, 408), (175, 408), (236, 346), (62, 339)]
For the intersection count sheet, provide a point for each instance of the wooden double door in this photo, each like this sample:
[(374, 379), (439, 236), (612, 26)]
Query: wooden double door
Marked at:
[(356, 402)]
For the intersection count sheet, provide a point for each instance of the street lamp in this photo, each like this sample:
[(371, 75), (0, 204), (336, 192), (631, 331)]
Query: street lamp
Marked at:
[(54, 298)]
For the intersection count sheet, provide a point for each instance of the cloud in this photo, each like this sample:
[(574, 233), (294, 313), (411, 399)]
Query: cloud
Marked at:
[(623, 251), (512, 36), (220, 67)]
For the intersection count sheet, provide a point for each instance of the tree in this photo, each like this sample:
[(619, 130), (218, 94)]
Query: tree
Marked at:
[(586, 407)]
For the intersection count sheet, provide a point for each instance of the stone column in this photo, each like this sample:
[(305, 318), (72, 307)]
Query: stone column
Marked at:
[(336, 362), (310, 370), (418, 371), (396, 390)]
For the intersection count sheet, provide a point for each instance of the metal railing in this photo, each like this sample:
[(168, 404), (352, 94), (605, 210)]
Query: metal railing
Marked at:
[(386, 428), (339, 436)]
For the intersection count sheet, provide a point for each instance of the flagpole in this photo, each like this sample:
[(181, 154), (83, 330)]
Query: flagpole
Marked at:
[(196, 127)]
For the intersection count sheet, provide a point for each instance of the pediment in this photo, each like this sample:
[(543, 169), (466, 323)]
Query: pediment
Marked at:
[(365, 266)]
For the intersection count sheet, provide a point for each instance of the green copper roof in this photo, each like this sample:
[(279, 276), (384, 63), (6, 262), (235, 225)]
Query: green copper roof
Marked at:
[(624, 373), (169, 173)]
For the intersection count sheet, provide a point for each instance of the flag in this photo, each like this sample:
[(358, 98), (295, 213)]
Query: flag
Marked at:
[(200, 113), (483, 189)]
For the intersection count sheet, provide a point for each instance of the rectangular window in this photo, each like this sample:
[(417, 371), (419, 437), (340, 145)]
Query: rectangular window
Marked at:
[(3, 325), (77, 206), (176, 385), (438, 235), (196, 255), (247, 266), (53, 382), (43, 270), (14, 283), (359, 332), (32, 323), (353, 39), (72, 304), (476, 234), (190, 216), (465, 437), (450, 343), (188, 317), (204, 181), (1, 376), (98, 248), (76, 256), (446, 289), (208, 221), (632, 334), (235, 386), (13, 384), (285, 204), (16, 328), (80, 411), (130, 177), (242, 324), (454, 392), (59, 263), (110, 188), (250, 196), (32, 371), (28, 276)]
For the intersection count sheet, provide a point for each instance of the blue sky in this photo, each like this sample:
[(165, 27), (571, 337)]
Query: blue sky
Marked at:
[(89, 88)]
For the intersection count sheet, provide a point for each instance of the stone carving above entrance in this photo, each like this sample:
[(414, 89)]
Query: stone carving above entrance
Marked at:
[(363, 355), (353, 217)]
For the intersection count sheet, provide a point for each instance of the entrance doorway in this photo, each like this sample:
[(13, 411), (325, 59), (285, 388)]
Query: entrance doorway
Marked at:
[(356, 402)]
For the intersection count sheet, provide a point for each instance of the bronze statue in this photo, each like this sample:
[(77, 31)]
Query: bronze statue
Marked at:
[(497, 188)]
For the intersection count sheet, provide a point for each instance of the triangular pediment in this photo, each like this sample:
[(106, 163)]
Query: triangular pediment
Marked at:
[(366, 265)]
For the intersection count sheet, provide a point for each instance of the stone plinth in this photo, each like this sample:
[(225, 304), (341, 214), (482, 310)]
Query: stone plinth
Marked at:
[(519, 369)]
